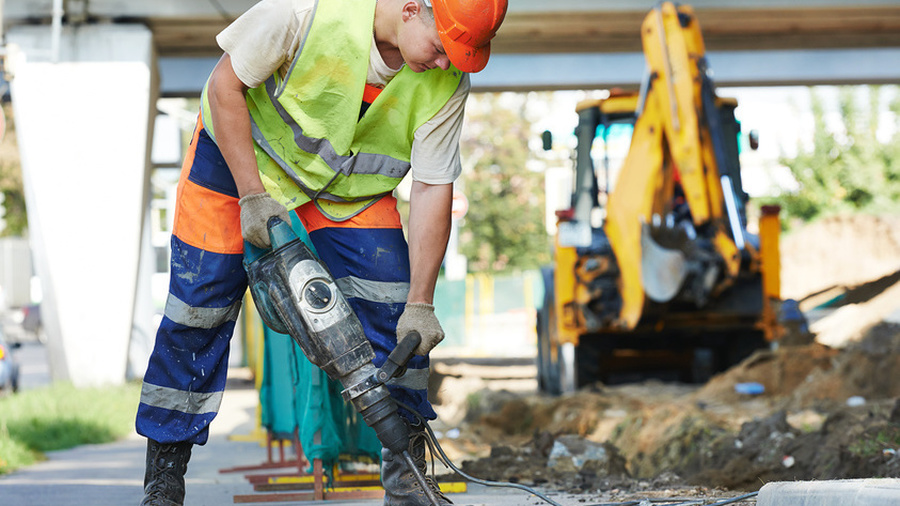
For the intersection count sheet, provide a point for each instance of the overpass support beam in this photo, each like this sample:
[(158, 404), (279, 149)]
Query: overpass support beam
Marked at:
[(83, 119)]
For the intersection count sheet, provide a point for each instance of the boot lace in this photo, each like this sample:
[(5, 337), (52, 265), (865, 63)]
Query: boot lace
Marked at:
[(165, 475), (161, 481)]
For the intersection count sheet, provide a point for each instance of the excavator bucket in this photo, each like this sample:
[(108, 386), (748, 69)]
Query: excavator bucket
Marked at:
[(662, 270)]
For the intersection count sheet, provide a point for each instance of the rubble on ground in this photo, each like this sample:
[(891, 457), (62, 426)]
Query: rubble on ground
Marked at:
[(823, 411)]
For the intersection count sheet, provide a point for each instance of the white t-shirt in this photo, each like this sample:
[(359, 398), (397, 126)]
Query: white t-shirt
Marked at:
[(266, 38)]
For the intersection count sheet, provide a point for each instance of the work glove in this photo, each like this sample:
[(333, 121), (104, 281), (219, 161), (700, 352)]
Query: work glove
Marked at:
[(256, 210), (420, 317)]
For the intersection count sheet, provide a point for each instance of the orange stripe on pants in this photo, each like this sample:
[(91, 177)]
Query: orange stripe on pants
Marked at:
[(381, 214), (204, 218)]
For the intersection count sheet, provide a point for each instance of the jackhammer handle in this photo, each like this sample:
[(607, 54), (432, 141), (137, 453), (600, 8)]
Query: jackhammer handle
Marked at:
[(398, 358), (406, 347)]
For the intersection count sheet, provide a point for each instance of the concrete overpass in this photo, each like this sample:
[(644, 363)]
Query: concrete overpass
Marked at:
[(85, 75), (562, 44)]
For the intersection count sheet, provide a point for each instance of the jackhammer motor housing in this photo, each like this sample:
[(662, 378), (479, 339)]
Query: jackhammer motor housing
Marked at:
[(296, 295)]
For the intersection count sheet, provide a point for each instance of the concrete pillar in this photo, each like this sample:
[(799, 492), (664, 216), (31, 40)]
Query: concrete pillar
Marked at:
[(84, 127)]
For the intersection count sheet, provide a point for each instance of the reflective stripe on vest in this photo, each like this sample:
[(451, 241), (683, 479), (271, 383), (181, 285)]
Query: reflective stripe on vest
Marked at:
[(311, 143)]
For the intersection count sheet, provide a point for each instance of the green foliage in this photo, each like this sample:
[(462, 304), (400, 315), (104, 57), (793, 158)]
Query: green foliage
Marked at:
[(13, 453), (872, 444), (13, 199), (503, 229), (61, 416), (850, 170)]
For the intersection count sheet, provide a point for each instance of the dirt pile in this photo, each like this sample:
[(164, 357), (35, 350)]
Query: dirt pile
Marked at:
[(562, 462), (823, 414), (823, 411), (838, 251), (860, 442)]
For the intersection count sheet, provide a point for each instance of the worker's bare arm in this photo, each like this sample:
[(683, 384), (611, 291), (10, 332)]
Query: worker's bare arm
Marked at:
[(429, 230), (231, 124)]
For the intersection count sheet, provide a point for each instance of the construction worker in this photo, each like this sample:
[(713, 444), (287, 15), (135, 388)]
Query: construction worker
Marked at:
[(318, 107)]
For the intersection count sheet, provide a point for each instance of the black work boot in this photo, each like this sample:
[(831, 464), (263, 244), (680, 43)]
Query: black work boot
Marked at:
[(164, 476), (400, 485)]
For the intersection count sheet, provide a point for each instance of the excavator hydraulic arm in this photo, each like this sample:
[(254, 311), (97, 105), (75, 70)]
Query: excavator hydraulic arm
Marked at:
[(672, 146)]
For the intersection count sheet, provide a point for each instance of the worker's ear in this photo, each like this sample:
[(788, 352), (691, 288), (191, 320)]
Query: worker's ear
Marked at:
[(410, 10)]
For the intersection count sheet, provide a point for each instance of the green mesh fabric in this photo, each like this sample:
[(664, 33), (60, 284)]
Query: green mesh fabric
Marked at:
[(279, 385), (297, 394)]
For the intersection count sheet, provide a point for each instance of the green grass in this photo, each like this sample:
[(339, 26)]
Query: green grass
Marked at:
[(61, 416), (874, 444)]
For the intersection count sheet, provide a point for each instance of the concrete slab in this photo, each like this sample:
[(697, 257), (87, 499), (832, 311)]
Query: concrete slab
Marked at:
[(863, 492)]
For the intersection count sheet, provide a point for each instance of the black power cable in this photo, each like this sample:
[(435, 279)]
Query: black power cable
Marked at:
[(680, 502)]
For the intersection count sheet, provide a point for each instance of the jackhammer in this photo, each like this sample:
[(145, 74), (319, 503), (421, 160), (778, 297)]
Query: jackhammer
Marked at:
[(296, 295)]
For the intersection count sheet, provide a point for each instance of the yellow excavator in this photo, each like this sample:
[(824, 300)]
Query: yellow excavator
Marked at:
[(655, 272)]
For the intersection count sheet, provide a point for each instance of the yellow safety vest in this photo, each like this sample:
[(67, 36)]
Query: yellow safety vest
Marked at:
[(309, 140)]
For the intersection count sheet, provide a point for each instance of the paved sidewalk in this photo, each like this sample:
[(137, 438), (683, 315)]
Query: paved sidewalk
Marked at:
[(112, 474)]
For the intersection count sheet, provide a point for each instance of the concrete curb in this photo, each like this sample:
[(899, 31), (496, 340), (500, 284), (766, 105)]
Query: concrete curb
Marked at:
[(863, 492)]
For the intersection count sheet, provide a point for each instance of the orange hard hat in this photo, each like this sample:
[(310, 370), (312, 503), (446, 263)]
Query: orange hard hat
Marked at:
[(466, 28)]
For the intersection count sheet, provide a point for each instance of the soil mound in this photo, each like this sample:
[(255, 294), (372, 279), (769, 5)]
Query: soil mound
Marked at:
[(838, 251), (817, 411), (823, 414)]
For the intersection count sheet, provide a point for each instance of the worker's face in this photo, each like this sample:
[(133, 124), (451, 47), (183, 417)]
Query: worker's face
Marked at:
[(419, 42)]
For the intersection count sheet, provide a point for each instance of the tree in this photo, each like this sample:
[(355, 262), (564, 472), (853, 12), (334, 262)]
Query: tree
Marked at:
[(851, 169), (16, 221), (503, 229)]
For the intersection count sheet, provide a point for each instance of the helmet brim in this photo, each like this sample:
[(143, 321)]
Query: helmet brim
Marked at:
[(465, 57)]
